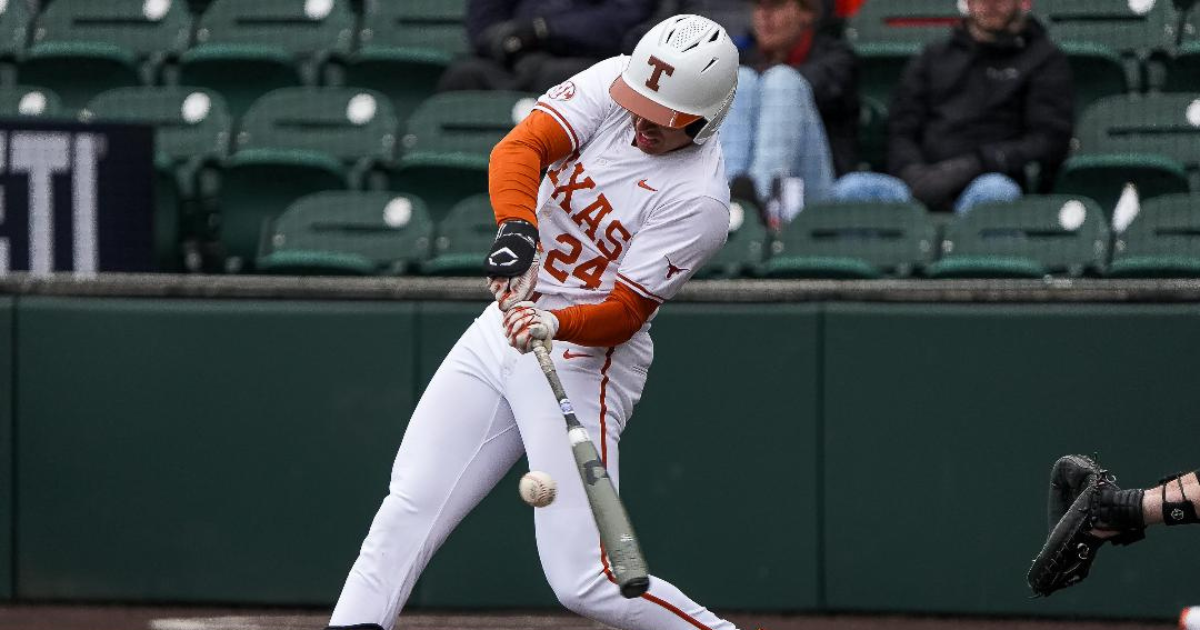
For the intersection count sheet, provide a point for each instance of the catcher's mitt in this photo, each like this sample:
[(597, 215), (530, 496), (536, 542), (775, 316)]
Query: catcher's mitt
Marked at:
[(1083, 497)]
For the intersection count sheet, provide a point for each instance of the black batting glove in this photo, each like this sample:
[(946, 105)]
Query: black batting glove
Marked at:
[(513, 264)]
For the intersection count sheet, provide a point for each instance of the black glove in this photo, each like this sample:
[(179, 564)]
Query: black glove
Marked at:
[(938, 185), (506, 41), (513, 264), (1083, 497)]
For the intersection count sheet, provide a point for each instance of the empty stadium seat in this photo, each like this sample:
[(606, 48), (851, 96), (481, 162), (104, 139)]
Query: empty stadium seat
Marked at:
[(1097, 72), (354, 126), (854, 241), (463, 239), (348, 233), (1034, 237), (1183, 69), (246, 49), (1147, 141), (27, 100), (414, 39), (192, 129), (1125, 26), (256, 185), (872, 134), (190, 123), (81, 47), (1162, 242), (1137, 31), (745, 248), (14, 35), (449, 139)]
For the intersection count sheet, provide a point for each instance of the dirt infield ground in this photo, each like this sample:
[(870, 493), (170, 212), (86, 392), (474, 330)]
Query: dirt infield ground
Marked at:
[(47, 617)]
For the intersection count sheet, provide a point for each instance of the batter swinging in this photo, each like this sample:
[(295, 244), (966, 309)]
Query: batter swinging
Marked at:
[(633, 203)]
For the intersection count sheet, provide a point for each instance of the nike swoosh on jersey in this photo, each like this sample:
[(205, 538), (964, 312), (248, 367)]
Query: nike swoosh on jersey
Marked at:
[(643, 184), (568, 355)]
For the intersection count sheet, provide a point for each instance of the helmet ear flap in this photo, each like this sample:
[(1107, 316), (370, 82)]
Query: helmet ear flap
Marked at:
[(695, 128)]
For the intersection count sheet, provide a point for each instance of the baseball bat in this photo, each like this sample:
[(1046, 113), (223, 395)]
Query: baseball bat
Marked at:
[(616, 532)]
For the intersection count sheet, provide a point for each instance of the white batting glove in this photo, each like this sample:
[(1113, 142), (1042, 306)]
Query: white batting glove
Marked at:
[(509, 291), (525, 325)]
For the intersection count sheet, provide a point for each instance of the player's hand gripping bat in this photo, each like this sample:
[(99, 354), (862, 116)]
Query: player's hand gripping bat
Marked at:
[(616, 532)]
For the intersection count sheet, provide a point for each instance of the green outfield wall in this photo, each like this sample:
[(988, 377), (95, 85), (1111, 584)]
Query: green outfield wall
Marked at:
[(789, 456)]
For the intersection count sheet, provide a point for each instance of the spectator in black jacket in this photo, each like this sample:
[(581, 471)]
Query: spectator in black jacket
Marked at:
[(532, 45), (794, 121), (972, 112)]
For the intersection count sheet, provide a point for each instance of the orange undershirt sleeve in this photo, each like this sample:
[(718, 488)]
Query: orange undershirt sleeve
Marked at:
[(609, 323), (517, 162)]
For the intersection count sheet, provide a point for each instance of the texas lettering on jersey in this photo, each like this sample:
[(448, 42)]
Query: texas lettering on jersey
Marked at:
[(592, 213), (610, 213)]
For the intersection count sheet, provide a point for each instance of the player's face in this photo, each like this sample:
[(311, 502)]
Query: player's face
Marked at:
[(655, 139)]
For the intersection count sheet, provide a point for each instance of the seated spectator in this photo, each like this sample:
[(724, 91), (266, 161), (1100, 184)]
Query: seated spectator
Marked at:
[(972, 112), (794, 122), (532, 45)]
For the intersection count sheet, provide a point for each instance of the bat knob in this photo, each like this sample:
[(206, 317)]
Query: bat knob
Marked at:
[(635, 587)]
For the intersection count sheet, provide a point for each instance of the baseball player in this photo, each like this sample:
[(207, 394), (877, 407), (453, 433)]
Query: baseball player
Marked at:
[(633, 202), (1087, 509)]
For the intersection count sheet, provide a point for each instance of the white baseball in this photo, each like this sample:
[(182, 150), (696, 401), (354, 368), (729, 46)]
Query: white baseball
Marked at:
[(538, 488)]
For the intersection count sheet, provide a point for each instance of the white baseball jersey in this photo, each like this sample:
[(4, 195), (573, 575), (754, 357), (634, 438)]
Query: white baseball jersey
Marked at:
[(611, 213)]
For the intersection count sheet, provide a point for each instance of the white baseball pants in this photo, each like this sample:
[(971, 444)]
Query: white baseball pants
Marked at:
[(486, 405)]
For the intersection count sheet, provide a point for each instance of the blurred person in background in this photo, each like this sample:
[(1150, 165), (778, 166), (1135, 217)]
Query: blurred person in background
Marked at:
[(532, 45), (972, 112), (794, 123)]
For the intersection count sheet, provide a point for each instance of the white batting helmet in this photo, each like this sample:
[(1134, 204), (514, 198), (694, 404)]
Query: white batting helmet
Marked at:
[(684, 70)]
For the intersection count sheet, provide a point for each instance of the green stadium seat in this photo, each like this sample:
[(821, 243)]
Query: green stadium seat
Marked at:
[(78, 71), (887, 33), (152, 30), (414, 39), (190, 123), (354, 126), (1034, 237), (246, 49), (746, 247), (1147, 141), (29, 101), (192, 130), (463, 239), (854, 241), (257, 185), (1127, 27), (1162, 242), (14, 34), (1139, 32), (1098, 72), (449, 139), (348, 233), (1183, 69)]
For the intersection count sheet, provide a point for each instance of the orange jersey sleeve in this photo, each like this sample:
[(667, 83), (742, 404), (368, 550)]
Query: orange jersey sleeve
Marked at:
[(517, 162), (609, 323)]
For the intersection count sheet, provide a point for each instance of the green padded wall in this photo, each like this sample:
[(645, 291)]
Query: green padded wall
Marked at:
[(942, 423), (7, 507), (719, 463), (194, 450), (491, 558)]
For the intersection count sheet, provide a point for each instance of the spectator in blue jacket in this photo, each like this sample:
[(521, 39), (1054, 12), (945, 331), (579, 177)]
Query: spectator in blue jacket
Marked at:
[(532, 45)]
